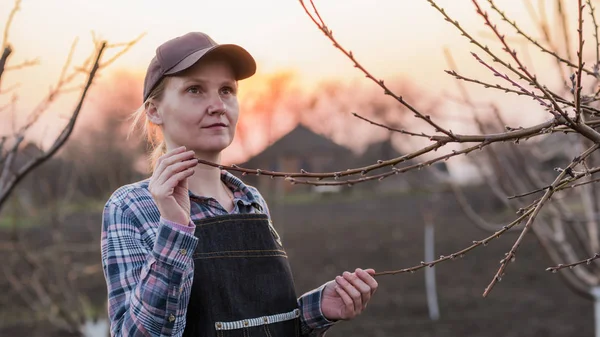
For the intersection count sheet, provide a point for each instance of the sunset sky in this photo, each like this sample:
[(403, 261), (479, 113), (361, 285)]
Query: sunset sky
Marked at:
[(391, 38)]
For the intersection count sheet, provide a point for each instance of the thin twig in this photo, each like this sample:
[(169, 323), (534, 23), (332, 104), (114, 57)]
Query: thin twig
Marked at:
[(527, 75), (54, 92), (528, 193), (461, 252), (392, 129), (577, 89), (515, 84), (581, 128), (573, 176), (24, 64), (475, 218), (584, 183), (522, 75), (62, 138), (292, 176), (510, 256), (564, 25), (545, 27), (589, 109), (484, 140), (382, 176), (571, 265), (11, 17), (329, 33), (66, 65), (533, 41), (489, 85), (3, 59), (593, 16), (126, 46)]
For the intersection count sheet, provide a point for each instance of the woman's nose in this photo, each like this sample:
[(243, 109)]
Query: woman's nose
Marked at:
[(216, 106)]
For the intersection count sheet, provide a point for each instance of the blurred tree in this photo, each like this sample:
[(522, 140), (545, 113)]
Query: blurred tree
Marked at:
[(10, 145), (42, 267), (101, 155)]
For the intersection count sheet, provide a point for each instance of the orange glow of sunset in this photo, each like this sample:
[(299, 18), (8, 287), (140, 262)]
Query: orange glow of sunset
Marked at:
[(400, 41)]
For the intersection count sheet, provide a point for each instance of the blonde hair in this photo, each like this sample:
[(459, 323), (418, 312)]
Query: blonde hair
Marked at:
[(152, 132)]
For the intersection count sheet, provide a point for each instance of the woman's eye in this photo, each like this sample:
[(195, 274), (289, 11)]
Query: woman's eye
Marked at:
[(227, 91), (193, 90)]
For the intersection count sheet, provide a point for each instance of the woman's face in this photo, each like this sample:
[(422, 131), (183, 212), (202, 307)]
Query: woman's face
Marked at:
[(199, 108)]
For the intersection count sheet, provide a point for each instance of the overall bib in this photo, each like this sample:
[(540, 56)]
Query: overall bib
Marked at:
[(243, 284)]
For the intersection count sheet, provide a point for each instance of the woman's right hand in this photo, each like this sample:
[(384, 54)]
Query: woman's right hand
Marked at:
[(169, 187)]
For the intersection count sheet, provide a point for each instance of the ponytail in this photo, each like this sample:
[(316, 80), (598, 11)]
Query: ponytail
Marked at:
[(158, 151)]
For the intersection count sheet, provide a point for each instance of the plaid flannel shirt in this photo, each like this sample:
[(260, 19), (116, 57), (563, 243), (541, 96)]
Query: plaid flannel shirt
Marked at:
[(148, 280)]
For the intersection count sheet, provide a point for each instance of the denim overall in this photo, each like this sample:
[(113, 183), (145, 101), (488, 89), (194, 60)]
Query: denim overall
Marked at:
[(243, 284)]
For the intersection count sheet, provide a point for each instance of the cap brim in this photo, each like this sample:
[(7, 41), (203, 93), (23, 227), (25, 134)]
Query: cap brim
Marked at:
[(240, 59)]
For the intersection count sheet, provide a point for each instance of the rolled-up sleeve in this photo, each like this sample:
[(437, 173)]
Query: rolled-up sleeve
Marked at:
[(313, 322)]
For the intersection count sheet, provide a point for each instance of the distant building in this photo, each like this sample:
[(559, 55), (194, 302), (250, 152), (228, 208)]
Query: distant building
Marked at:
[(303, 149), (412, 179), (300, 149)]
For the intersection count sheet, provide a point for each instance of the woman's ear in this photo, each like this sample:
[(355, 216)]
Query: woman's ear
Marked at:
[(153, 113)]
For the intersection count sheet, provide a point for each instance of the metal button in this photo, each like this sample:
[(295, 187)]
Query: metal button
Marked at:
[(246, 323), (183, 251), (171, 318)]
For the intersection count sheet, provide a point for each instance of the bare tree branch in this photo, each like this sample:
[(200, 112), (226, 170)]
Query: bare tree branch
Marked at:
[(595, 22), (12, 176), (577, 89), (574, 264), (321, 24), (462, 252), (8, 183), (534, 42), (549, 192), (564, 24), (472, 215)]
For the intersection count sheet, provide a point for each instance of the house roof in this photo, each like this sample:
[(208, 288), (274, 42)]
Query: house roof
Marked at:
[(301, 141), (385, 150)]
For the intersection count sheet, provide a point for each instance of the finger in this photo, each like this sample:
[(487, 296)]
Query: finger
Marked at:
[(160, 166), (166, 155), (365, 276), (352, 291), (175, 168), (171, 157), (348, 302), (167, 161), (362, 287), (170, 184)]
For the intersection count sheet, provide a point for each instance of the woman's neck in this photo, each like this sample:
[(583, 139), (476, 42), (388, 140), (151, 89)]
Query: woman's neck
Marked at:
[(206, 180)]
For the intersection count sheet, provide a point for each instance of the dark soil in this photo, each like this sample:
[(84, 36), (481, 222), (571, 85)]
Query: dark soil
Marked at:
[(388, 234)]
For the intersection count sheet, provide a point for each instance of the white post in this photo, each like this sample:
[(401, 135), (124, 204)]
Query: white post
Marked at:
[(596, 294), (98, 328), (432, 302)]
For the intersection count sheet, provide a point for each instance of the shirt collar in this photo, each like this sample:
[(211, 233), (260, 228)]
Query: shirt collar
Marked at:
[(240, 190)]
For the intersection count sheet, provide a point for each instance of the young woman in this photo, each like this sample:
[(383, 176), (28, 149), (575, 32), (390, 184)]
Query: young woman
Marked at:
[(191, 251)]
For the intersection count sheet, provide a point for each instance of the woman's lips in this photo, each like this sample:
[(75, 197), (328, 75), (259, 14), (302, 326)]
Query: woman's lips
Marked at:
[(215, 126)]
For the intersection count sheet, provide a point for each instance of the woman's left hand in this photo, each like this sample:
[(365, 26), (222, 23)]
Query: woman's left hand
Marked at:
[(348, 295)]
